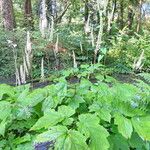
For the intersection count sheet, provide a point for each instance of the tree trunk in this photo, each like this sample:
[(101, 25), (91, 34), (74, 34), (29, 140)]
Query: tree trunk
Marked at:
[(8, 14), (0, 11), (86, 11), (52, 8), (130, 17), (28, 13), (139, 16), (43, 23), (115, 8), (121, 14)]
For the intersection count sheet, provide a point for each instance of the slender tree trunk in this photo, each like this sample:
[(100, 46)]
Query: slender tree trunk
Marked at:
[(28, 13), (51, 8), (43, 23), (115, 8), (121, 14), (130, 17), (139, 16), (8, 14), (0, 11), (86, 11)]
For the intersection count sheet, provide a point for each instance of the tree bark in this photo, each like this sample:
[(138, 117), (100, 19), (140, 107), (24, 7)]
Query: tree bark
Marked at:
[(8, 14), (121, 14), (52, 8), (86, 11), (130, 17), (139, 17), (0, 11), (28, 13)]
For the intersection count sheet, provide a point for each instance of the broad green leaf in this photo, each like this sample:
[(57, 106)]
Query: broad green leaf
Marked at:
[(5, 109), (49, 119), (74, 141), (66, 111), (76, 101), (20, 140), (102, 112), (118, 142), (89, 126), (33, 98), (6, 89), (23, 94), (142, 126), (52, 134), (25, 146), (50, 102), (64, 139), (52, 117), (124, 125), (68, 121), (136, 142)]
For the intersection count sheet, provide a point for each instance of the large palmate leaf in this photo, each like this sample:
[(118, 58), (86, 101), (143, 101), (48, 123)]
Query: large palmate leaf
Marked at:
[(142, 126), (63, 138), (52, 117), (89, 126), (124, 125)]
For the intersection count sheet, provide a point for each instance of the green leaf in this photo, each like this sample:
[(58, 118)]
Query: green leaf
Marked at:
[(76, 101), (52, 117), (102, 112), (142, 126), (100, 57), (136, 142), (3, 143), (2, 128), (68, 121), (64, 139), (33, 98), (25, 146), (89, 126), (6, 89), (49, 119), (23, 93), (118, 142), (74, 141), (66, 111), (5, 109), (52, 134), (50, 103), (20, 140), (124, 125)]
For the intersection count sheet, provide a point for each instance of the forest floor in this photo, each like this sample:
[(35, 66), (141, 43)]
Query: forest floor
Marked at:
[(124, 78)]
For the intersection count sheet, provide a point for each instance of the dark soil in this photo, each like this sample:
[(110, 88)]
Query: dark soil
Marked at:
[(8, 80), (124, 78)]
